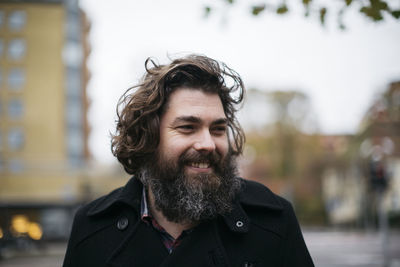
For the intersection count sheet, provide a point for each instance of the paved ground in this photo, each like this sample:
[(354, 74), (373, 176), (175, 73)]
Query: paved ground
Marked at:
[(348, 249), (50, 255), (328, 249)]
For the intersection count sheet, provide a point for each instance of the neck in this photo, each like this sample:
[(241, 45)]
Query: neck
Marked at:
[(172, 228)]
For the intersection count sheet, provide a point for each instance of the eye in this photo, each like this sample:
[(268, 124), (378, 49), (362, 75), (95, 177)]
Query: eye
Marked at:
[(187, 128), (219, 130)]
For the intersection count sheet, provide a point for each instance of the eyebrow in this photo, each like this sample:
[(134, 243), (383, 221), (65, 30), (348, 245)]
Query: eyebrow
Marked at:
[(193, 119)]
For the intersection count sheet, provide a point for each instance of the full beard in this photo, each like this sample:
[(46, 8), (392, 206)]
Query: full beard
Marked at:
[(189, 198)]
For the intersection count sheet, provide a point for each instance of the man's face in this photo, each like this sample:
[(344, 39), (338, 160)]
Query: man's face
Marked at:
[(193, 174), (194, 124)]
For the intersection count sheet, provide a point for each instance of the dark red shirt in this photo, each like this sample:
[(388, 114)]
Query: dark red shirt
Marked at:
[(169, 242)]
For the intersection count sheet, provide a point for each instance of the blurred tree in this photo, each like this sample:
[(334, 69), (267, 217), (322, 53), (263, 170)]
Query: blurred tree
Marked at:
[(286, 152), (302, 183), (371, 9), (385, 109), (290, 117), (287, 126)]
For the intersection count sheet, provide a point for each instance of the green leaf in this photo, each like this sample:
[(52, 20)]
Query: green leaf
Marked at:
[(306, 7), (322, 14), (379, 5), (340, 19), (395, 14), (207, 11), (372, 13), (348, 2), (257, 9), (230, 1), (282, 9)]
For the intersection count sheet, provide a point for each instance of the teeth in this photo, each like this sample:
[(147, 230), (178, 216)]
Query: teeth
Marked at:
[(201, 165)]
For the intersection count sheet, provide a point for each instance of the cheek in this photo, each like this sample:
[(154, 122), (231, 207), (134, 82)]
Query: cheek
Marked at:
[(175, 146), (222, 146)]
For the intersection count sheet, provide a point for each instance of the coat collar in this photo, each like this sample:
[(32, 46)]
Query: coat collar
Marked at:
[(130, 195), (255, 195), (252, 194), (258, 195)]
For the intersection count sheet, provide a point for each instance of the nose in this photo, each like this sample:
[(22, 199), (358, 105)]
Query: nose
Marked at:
[(204, 142)]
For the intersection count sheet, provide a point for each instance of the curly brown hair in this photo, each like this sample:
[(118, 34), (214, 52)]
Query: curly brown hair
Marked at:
[(140, 108)]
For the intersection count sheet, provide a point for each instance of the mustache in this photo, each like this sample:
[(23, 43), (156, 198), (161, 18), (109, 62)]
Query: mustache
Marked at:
[(213, 158)]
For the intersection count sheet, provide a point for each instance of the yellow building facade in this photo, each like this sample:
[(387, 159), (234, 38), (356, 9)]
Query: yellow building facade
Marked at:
[(44, 155), (43, 107), (34, 153), (40, 91)]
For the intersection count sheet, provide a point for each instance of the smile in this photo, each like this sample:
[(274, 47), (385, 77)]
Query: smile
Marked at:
[(200, 165)]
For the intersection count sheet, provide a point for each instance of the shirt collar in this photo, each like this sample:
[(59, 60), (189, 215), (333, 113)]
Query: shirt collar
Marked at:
[(144, 211)]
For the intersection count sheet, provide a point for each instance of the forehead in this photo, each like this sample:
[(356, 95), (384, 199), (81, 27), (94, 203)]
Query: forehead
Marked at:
[(194, 102)]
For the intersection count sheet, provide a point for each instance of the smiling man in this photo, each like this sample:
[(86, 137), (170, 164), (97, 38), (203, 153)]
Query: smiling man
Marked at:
[(177, 135)]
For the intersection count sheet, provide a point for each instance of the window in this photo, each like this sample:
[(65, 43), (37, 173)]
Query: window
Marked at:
[(74, 112), (15, 139), (72, 54), (73, 82), (1, 47), (16, 49), (1, 18), (73, 28), (16, 79), (15, 109), (17, 20), (1, 164), (75, 142), (15, 165)]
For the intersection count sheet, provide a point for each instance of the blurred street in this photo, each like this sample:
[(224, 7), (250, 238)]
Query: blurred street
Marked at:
[(346, 248), (328, 249), (49, 255)]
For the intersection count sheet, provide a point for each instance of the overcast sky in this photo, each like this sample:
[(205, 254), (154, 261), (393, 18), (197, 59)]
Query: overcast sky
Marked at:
[(340, 71)]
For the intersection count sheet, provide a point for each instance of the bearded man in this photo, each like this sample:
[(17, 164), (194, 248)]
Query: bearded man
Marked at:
[(178, 136)]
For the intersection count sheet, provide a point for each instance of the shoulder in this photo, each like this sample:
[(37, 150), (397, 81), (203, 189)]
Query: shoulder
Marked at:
[(266, 209), (101, 202), (128, 195), (106, 218), (105, 210), (256, 194), (85, 223)]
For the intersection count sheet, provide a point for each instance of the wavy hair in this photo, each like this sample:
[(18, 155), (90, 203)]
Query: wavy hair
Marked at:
[(140, 108)]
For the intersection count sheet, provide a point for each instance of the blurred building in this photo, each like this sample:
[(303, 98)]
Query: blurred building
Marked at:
[(43, 107), (283, 149), (369, 168), (329, 178), (342, 186)]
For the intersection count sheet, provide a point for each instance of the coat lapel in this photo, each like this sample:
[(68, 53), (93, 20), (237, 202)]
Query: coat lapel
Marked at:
[(141, 247), (203, 245)]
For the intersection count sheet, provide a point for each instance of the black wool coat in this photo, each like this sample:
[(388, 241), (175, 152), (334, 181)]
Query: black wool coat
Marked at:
[(261, 230)]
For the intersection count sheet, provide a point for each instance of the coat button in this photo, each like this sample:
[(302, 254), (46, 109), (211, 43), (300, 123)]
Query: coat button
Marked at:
[(122, 223), (239, 223)]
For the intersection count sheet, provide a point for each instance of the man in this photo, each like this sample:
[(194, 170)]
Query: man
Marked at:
[(178, 136)]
